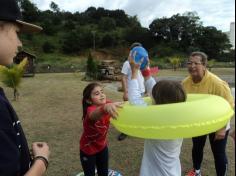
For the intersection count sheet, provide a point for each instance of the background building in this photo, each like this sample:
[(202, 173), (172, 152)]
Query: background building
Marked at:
[(231, 34)]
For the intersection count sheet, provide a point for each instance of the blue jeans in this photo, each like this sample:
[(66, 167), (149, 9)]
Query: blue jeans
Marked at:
[(218, 148)]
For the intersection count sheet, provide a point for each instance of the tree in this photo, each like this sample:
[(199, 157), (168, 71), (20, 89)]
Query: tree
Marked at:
[(121, 19), (48, 27), (90, 16), (48, 47), (29, 10), (133, 21), (70, 43), (91, 67), (69, 25), (160, 29), (186, 33), (90, 11), (178, 30), (54, 7), (107, 24), (100, 13), (142, 35), (12, 76), (212, 41)]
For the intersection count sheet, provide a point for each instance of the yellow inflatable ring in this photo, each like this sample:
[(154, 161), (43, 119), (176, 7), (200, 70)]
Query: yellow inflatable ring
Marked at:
[(200, 114)]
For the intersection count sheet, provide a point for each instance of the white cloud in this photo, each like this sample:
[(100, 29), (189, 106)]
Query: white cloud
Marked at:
[(212, 13)]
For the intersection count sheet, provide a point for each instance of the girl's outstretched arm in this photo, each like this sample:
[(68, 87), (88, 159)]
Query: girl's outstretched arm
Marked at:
[(109, 108)]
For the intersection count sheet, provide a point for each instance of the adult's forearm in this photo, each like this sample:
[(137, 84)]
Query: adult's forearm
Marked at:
[(124, 83), (38, 169)]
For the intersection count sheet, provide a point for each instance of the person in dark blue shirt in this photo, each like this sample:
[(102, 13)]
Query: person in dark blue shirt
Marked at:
[(15, 158)]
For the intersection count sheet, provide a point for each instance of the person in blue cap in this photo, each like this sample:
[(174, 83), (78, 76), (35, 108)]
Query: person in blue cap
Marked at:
[(15, 157)]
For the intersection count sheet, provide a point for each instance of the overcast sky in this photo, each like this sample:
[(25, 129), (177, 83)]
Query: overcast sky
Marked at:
[(218, 13)]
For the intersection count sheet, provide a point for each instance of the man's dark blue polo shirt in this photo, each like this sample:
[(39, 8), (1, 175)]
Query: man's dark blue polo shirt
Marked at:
[(14, 152)]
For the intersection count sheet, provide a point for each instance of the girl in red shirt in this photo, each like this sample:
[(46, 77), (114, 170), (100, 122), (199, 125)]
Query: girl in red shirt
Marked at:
[(97, 111)]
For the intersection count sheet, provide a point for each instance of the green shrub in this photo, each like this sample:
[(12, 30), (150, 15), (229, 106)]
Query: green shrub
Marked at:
[(175, 62), (12, 76), (91, 67)]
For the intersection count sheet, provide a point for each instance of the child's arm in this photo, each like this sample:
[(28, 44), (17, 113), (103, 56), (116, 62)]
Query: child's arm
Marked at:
[(109, 108), (149, 80), (149, 84), (134, 92)]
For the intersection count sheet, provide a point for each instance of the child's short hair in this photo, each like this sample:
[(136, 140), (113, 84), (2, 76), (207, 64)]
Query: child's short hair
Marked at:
[(167, 91), (134, 45)]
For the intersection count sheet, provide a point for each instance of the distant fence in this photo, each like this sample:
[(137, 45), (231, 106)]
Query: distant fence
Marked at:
[(57, 69)]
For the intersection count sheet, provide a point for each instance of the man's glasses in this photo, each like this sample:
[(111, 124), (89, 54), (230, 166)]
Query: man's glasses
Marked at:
[(193, 63)]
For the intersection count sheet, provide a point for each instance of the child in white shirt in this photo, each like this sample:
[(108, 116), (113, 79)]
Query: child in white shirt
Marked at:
[(160, 157)]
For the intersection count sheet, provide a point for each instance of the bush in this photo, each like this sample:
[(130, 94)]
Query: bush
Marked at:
[(175, 62), (12, 76), (70, 43), (162, 63), (91, 67)]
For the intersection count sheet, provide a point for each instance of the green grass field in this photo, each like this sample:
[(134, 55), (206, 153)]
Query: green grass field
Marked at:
[(50, 110)]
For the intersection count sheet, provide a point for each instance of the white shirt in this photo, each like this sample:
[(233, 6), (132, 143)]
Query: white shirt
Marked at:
[(160, 157), (126, 69)]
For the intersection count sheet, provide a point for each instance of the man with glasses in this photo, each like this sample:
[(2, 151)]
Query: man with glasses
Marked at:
[(203, 81)]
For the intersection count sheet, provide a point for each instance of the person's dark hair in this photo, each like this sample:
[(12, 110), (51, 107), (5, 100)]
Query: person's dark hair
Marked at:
[(200, 54), (166, 91), (86, 96), (134, 45)]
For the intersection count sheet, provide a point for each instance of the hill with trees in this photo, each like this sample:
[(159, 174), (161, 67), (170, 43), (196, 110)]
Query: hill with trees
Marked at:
[(71, 35)]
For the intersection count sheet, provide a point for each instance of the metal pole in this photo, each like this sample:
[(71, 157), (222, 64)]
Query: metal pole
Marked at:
[(94, 44)]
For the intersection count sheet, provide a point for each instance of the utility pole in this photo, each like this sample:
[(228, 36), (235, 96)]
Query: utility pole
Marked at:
[(94, 42)]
